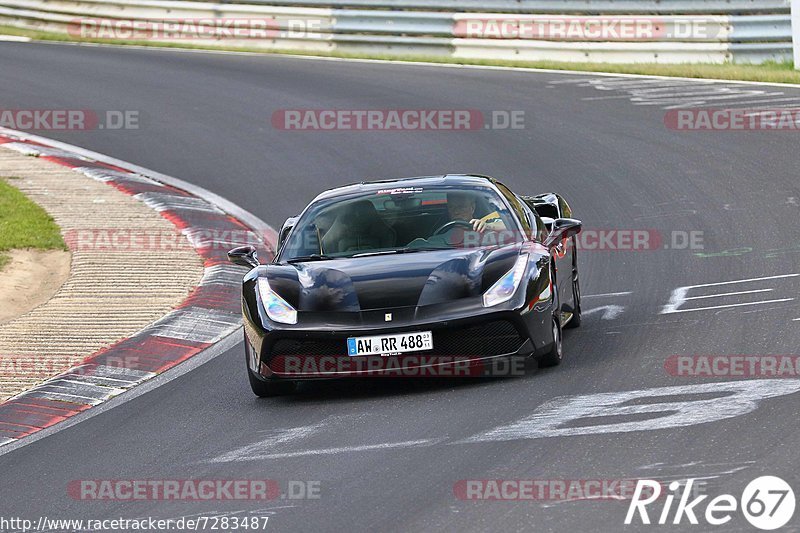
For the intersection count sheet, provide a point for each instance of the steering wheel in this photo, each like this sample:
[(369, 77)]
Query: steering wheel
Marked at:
[(444, 228)]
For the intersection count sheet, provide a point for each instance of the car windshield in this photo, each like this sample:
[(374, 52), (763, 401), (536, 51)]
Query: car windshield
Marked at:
[(401, 220)]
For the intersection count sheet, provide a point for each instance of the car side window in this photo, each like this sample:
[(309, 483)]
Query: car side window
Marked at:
[(520, 209)]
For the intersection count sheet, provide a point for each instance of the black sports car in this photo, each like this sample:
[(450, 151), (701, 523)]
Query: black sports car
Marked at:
[(415, 276)]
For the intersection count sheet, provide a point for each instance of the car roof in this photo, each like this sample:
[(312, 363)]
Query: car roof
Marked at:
[(418, 181)]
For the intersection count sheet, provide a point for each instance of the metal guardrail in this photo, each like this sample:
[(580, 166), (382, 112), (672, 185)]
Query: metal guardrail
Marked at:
[(511, 35), (560, 7), (761, 28)]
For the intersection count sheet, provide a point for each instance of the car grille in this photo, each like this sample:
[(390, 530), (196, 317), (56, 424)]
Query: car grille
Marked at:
[(491, 338)]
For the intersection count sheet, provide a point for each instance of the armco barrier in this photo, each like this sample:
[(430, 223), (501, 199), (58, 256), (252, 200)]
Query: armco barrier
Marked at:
[(667, 31), (562, 7)]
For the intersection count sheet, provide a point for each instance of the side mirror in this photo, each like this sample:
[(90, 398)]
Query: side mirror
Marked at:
[(285, 229), (244, 256), (562, 229)]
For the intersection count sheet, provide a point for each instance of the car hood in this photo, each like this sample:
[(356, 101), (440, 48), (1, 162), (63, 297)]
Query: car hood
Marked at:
[(392, 280)]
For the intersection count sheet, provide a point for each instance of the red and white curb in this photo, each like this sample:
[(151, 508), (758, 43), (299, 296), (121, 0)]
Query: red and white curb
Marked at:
[(209, 314)]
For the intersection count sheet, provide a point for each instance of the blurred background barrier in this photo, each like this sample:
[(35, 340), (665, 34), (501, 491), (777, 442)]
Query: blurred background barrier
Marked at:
[(796, 32), (662, 31)]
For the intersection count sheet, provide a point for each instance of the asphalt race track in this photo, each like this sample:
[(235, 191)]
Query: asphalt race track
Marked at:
[(388, 454)]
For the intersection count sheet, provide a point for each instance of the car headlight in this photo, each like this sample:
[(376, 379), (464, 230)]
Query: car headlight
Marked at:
[(277, 308), (505, 287)]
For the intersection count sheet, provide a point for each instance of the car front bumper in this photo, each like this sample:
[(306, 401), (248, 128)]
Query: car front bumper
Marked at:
[(467, 346)]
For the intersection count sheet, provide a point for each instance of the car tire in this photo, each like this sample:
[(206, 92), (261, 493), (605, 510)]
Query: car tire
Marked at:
[(272, 388), (556, 353)]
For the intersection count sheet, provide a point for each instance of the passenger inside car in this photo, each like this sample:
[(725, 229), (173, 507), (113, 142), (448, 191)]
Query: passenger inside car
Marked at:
[(359, 227)]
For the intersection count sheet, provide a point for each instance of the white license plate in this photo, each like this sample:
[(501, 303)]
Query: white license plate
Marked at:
[(390, 344)]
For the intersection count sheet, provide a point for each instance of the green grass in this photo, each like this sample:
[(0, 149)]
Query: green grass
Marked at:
[(772, 72), (23, 224)]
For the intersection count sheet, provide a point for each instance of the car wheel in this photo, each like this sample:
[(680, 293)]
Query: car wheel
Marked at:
[(556, 354), (267, 389)]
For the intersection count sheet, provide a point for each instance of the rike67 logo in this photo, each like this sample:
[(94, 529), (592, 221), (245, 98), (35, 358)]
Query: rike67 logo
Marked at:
[(767, 502)]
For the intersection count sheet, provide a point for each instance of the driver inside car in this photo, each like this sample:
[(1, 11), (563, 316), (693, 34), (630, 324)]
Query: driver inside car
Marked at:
[(461, 206)]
